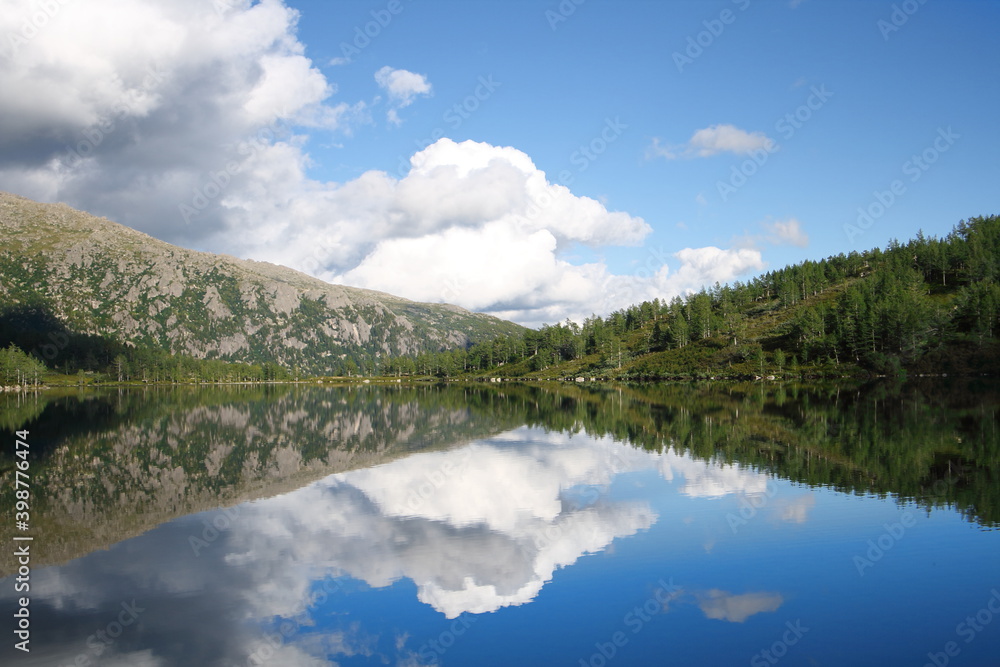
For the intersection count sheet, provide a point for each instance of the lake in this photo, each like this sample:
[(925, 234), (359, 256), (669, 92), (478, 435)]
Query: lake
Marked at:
[(511, 524)]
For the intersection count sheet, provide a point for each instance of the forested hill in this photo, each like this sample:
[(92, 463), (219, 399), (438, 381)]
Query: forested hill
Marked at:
[(83, 293), (930, 305)]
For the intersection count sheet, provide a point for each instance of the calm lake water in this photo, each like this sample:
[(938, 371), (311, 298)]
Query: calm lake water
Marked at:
[(510, 525)]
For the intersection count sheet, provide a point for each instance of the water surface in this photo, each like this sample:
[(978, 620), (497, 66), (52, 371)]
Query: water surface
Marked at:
[(519, 525)]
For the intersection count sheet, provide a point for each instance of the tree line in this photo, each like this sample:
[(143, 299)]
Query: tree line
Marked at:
[(877, 309), (882, 310), (39, 346), (19, 369)]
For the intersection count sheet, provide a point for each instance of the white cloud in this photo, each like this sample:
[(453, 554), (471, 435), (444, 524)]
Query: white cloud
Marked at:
[(711, 141), (132, 117), (707, 266), (482, 227), (186, 122), (470, 223), (403, 87), (786, 232)]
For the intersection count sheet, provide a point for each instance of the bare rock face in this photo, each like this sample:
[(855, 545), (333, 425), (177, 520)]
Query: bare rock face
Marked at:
[(100, 277)]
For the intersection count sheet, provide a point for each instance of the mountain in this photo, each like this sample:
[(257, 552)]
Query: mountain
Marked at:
[(64, 272)]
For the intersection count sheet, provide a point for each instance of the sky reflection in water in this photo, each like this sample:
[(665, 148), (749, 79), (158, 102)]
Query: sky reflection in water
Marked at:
[(534, 547)]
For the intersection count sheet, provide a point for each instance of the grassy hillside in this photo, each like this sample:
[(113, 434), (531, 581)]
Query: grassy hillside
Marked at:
[(929, 306), (76, 290)]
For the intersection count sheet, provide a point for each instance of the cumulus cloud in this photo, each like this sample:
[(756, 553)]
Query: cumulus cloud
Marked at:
[(469, 223), (169, 104), (402, 87), (483, 227), (786, 232), (708, 265), (711, 141), (189, 121)]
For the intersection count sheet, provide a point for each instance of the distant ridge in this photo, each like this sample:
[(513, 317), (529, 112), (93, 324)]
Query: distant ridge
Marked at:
[(101, 278)]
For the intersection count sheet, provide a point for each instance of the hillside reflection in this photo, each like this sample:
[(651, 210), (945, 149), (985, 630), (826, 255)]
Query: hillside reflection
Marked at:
[(168, 453), (359, 517)]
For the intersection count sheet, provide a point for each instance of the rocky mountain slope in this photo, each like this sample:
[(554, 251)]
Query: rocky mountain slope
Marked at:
[(99, 277)]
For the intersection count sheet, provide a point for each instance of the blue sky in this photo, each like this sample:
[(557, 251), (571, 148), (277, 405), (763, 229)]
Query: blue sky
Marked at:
[(716, 139), (614, 60)]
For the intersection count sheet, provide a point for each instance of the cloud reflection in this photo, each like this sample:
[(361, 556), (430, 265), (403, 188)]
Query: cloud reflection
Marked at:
[(476, 529), (725, 606), (704, 479)]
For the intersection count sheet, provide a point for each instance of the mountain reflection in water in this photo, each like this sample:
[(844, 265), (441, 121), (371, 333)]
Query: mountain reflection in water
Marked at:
[(462, 517)]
